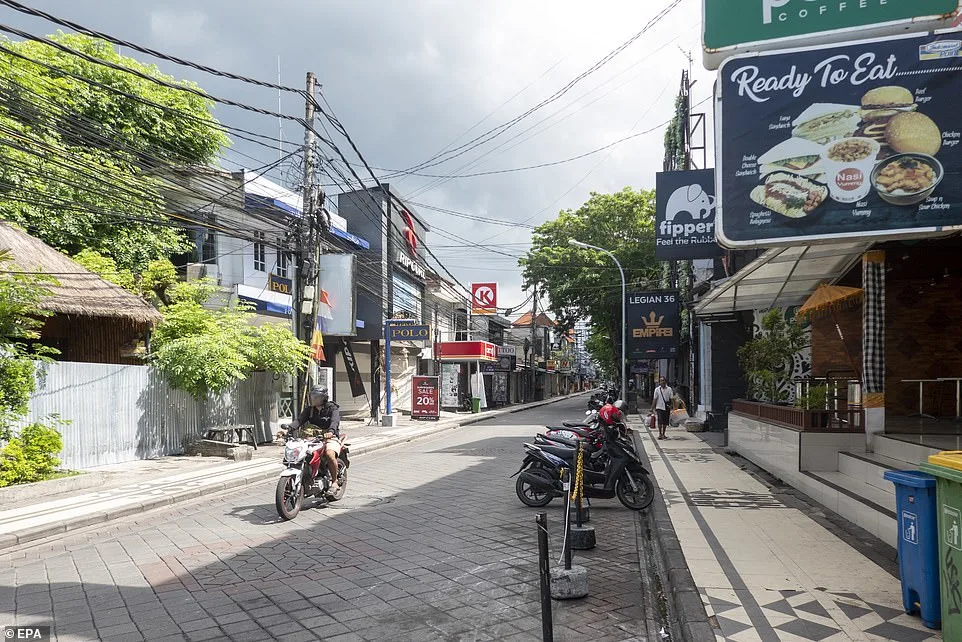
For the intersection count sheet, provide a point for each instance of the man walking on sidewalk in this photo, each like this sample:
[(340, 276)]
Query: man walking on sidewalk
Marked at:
[(661, 404)]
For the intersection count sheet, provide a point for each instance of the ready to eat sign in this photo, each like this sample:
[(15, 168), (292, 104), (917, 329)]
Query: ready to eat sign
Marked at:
[(733, 26)]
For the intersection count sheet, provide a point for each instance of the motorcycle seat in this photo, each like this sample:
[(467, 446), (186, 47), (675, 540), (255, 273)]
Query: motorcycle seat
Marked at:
[(575, 424), (568, 454), (555, 440)]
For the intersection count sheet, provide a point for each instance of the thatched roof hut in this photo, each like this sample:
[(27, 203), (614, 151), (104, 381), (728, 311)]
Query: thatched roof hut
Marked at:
[(94, 320)]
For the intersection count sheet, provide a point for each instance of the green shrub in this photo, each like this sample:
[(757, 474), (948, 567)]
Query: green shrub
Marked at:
[(30, 456)]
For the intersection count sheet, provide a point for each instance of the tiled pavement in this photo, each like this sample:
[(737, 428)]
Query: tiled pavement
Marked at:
[(430, 543), (766, 570)]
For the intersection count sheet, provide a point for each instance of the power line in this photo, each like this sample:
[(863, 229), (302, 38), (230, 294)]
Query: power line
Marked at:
[(493, 133), (145, 50)]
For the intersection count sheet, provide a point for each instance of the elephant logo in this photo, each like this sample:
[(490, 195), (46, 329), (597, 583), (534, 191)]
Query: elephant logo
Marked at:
[(693, 201)]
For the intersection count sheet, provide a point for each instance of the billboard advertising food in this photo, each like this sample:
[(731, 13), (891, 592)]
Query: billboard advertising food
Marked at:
[(734, 26), (654, 322), (847, 142), (336, 309), (685, 215)]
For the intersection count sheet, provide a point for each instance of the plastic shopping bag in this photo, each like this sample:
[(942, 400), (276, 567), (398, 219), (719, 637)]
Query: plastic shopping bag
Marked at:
[(678, 417)]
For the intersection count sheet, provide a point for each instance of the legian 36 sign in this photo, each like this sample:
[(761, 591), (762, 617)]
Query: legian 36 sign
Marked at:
[(734, 26)]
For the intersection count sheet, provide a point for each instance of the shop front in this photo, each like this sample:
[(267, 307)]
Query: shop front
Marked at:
[(465, 362)]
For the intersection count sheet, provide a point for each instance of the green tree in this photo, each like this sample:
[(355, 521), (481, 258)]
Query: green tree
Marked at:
[(153, 283), (585, 284), (203, 350), (20, 321), (81, 163)]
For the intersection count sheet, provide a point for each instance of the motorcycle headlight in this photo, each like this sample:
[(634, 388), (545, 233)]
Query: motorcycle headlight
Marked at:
[(291, 454)]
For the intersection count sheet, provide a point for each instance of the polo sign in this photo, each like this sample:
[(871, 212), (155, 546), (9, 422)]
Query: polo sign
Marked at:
[(484, 298), (735, 26), (399, 332)]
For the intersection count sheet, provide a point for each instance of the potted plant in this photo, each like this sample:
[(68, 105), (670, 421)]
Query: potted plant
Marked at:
[(766, 359)]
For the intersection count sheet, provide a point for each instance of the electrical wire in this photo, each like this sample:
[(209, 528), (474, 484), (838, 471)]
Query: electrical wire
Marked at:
[(151, 52), (493, 133)]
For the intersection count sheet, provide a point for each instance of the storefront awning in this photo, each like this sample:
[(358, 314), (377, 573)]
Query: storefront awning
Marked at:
[(781, 277)]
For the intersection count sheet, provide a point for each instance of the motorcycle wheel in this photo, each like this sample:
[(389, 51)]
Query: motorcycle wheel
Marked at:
[(635, 500), (529, 496), (342, 481), (286, 499)]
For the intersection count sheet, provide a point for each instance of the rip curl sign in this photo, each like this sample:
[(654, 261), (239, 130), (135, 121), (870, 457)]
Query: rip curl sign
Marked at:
[(685, 215)]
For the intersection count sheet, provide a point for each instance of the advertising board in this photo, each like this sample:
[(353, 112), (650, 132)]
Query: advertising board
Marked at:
[(425, 398), (450, 385), (654, 320), (738, 26), (685, 215), (337, 306), (857, 141)]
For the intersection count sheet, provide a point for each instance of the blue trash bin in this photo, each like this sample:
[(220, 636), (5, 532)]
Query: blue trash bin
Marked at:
[(918, 547)]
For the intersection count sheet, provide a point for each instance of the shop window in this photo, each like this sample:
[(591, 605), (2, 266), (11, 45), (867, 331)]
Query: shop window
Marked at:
[(260, 253), (407, 297), (283, 264), (208, 247)]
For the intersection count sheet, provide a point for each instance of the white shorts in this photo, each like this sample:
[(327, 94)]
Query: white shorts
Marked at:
[(333, 444)]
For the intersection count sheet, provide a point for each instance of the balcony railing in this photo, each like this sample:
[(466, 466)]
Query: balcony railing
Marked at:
[(852, 420)]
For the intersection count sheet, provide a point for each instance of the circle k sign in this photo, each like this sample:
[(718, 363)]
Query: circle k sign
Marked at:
[(484, 298)]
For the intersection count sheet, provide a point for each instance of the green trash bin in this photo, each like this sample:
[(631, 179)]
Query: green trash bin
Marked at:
[(946, 467), (475, 405)]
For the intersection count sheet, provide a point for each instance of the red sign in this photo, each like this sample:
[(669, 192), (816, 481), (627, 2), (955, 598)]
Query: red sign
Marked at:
[(425, 397), (410, 237), (467, 351), (484, 298)]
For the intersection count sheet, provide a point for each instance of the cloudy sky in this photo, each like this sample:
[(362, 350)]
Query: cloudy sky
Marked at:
[(409, 78)]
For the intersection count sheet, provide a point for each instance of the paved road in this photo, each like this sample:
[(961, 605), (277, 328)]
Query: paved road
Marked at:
[(430, 543)]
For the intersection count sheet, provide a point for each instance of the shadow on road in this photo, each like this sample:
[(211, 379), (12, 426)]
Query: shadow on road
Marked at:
[(429, 548)]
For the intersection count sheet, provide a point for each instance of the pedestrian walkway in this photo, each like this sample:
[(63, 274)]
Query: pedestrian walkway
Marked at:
[(137, 486), (766, 570)]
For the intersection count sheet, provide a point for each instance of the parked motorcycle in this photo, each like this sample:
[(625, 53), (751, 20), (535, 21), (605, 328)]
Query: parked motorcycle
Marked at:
[(306, 474), (621, 473)]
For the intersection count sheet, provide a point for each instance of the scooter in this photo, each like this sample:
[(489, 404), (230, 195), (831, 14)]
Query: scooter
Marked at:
[(623, 476), (306, 474)]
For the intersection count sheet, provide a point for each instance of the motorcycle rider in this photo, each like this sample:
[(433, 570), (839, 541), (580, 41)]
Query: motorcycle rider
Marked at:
[(322, 418)]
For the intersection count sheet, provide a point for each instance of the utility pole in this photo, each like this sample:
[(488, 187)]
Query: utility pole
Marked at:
[(534, 318), (303, 228)]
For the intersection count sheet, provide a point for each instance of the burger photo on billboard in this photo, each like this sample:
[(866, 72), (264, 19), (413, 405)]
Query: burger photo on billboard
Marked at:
[(880, 106)]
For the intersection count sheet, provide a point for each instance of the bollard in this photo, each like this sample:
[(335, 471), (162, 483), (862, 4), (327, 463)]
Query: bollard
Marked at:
[(547, 630), (567, 540), (581, 537)]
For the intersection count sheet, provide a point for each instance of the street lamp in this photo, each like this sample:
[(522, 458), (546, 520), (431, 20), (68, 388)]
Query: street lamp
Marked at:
[(624, 376)]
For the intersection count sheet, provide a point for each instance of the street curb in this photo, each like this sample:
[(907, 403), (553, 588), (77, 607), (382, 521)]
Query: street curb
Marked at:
[(11, 540), (685, 603)]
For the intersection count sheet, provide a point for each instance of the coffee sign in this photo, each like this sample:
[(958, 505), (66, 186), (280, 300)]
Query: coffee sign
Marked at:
[(858, 141), (731, 26)]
